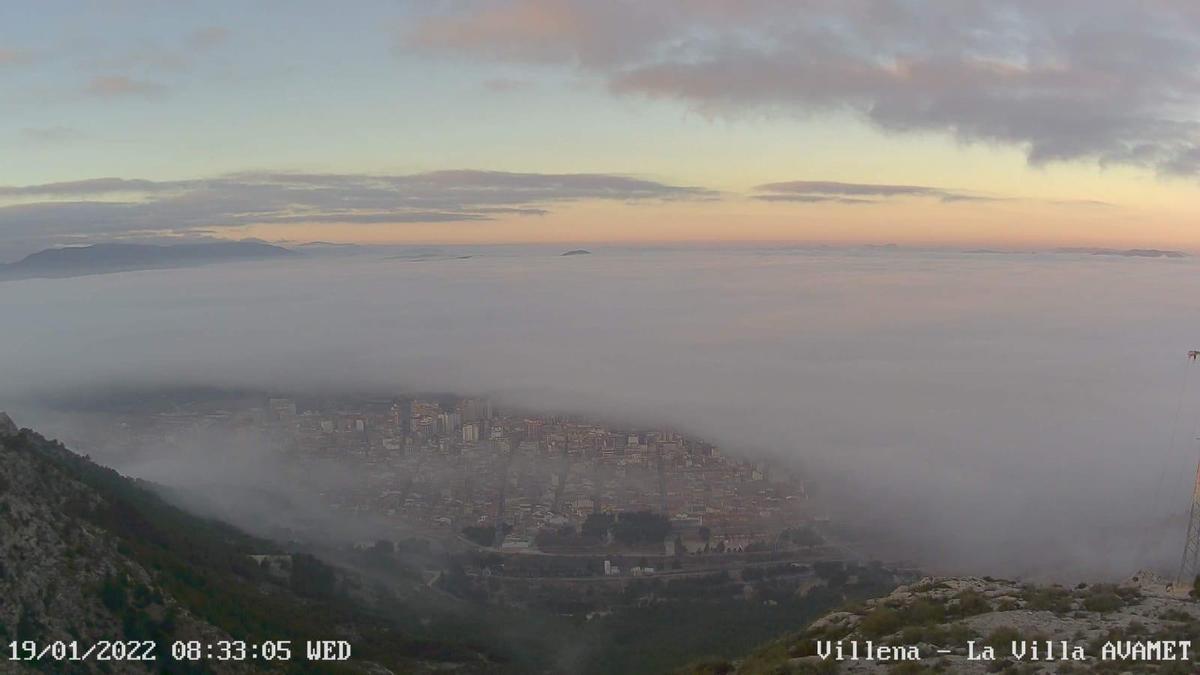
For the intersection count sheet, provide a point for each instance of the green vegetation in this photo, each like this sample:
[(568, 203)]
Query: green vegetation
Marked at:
[(1106, 597), (834, 573), (1048, 598), (656, 639), (1001, 639), (641, 528), (635, 529), (920, 619), (882, 621), (940, 635), (564, 536), (205, 566), (1103, 602), (480, 535), (131, 602), (596, 525), (773, 657), (802, 536), (943, 621), (707, 667), (1175, 615), (769, 571), (971, 603), (312, 578)]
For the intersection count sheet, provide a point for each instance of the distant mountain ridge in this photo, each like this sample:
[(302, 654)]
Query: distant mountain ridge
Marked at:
[(73, 261), (1129, 253)]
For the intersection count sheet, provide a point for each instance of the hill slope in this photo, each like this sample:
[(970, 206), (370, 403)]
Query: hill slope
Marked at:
[(87, 554)]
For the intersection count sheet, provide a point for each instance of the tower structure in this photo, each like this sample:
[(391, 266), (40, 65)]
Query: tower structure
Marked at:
[(1189, 566)]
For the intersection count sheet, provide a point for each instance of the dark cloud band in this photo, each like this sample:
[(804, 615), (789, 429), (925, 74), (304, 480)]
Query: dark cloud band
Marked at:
[(116, 206), (1095, 80), (855, 193)]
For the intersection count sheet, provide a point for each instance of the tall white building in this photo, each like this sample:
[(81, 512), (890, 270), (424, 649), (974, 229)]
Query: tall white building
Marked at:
[(449, 423), (470, 432)]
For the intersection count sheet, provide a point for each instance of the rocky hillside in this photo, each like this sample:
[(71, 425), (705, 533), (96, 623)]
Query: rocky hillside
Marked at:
[(63, 577), (973, 625), (88, 555)]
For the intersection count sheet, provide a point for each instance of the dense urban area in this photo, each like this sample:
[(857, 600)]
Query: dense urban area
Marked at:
[(479, 524), (515, 481)]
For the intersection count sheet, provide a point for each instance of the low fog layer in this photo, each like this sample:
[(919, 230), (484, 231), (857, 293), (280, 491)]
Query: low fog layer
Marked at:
[(999, 414)]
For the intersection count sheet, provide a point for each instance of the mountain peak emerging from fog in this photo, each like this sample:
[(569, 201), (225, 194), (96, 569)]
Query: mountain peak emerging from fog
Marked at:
[(76, 261), (578, 251)]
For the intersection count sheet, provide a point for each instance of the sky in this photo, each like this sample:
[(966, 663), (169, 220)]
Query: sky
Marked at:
[(1003, 124)]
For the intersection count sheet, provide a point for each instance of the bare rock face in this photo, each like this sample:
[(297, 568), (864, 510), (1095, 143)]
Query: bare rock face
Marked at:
[(62, 576), (87, 554), (8, 428)]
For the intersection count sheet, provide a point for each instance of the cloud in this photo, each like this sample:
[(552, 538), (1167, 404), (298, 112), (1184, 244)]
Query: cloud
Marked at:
[(1086, 80), (813, 199), (855, 193), (91, 186), (114, 206), (590, 34), (49, 135), (120, 86)]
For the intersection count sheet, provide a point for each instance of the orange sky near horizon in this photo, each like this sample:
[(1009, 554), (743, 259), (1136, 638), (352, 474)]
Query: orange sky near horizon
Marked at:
[(918, 222)]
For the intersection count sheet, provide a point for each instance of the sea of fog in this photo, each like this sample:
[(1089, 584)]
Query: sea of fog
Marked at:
[(1008, 414)]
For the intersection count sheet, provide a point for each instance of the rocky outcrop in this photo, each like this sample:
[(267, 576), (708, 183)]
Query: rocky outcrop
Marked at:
[(985, 625), (88, 555), (8, 428), (63, 577)]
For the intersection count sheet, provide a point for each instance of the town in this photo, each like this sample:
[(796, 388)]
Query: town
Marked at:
[(514, 480)]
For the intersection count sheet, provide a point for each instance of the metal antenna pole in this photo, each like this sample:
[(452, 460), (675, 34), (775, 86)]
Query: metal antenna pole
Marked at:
[(1189, 567)]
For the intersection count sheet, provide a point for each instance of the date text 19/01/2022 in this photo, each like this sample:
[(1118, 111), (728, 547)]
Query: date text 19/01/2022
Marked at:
[(180, 650)]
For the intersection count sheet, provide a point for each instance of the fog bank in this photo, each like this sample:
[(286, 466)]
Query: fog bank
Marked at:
[(1000, 414)]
